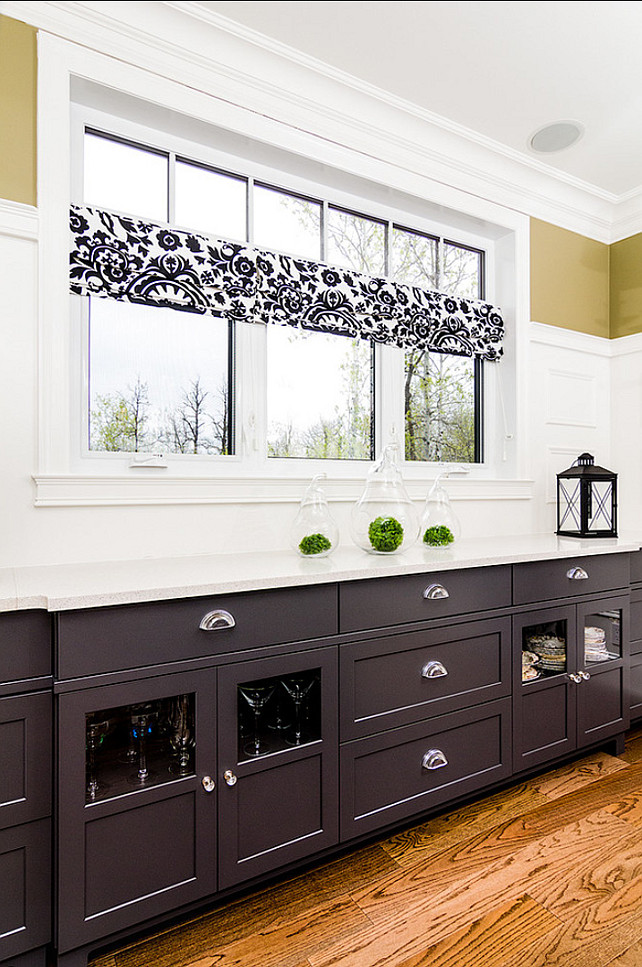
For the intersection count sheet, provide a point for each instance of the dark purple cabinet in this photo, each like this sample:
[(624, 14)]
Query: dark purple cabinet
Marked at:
[(280, 804), (132, 848), (575, 692)]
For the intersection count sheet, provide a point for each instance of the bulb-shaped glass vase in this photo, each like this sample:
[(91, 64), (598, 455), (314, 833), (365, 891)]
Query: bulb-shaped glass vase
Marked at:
[(384, 520), (314, 533), (440, 525)]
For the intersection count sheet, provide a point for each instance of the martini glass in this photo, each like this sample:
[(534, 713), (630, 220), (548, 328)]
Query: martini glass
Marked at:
[(298, 687), (257, 696)]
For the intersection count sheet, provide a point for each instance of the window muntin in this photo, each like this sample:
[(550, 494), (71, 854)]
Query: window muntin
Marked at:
[(312, 229)]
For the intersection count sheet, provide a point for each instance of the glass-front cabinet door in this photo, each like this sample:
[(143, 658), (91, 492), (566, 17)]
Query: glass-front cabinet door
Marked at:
[(137, 802), (603, 633), (277, 762), (569, 685)]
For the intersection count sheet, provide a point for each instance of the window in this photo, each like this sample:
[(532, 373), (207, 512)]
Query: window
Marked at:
[(175, 383)]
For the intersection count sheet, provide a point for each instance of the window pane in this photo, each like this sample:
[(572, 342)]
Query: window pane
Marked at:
[(319, 395), (159, 380), (461, 271), (414, 258), (287, 223), (439, 407), (210, 202), (125, 178), (356, 243)]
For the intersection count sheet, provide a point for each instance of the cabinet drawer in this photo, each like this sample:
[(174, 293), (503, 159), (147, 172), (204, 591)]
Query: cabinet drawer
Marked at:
[(544, 580), (25, 758), (112, 639), (636, 687), (636, 567), (25, 645), (391, 601), (25, 888), (403, 678), (385, 778)]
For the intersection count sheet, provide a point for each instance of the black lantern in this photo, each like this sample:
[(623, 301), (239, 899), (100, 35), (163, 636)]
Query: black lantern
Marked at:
[(586, 500)]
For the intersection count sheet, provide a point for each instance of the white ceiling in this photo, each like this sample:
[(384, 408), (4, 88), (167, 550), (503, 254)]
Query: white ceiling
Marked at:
[(501, 70)]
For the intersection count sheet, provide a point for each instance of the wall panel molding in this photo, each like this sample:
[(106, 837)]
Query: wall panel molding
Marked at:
[(18, 220)]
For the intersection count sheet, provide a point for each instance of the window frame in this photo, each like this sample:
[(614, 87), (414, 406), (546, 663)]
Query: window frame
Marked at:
[(385, 412), (348, 154)]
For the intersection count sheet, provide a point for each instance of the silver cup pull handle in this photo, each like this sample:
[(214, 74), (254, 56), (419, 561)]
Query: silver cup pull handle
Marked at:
[(217, 621), (434, 759), (434, 592), (434, 669), (577, 574)]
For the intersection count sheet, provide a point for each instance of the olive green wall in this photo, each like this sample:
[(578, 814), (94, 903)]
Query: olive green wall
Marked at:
[(569, 280), (626, 287), (18, 70)]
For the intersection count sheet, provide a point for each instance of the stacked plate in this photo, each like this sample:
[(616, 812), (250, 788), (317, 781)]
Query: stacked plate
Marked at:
[(529, 666), (550, 650), (595, 644)]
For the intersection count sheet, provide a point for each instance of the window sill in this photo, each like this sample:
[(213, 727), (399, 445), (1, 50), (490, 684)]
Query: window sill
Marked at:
[(156, 487)]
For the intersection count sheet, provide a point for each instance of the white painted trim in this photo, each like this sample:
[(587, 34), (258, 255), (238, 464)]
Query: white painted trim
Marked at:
[(626, 345), (18, 220), (66, 490), (580, 342), (278, 83)]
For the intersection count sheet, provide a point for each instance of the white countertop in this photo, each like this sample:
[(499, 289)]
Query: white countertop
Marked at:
[(68, 586)]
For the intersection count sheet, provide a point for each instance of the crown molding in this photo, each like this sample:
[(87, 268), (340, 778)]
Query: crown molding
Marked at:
[(18, 220), (215, 55)]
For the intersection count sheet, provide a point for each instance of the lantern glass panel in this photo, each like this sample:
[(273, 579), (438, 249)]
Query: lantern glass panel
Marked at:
[(600, 505)]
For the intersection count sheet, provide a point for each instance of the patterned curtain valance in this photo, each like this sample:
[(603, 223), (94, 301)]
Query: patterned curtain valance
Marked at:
[(133, 260)]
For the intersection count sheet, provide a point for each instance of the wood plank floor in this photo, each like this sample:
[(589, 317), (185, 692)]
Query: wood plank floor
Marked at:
[(547, 873)]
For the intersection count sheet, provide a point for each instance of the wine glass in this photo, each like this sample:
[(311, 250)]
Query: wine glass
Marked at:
[(297, 687), (181, 735), (257, 696), (96, 732), (142, 717)]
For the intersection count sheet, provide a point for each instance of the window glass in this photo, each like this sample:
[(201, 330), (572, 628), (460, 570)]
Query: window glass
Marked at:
[(125, 178), (461, 271), (413, 258), (319, 395), (159, 380), (208, 201), (356, 243), (287, 223)]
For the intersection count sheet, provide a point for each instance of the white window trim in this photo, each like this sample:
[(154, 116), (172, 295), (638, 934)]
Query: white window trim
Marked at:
[(60, 480)]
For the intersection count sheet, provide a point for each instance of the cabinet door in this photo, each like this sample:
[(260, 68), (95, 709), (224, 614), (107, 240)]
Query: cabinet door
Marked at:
[(603, 694), (25, 758), (544, 697), (137, 812), (25, 888), (277, 762)]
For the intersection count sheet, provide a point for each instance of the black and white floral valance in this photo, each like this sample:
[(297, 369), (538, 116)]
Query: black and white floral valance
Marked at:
[(134, 260)]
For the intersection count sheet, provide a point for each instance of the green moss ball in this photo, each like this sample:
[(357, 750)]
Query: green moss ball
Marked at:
[(438, 536), (386, 534), (314, 544)]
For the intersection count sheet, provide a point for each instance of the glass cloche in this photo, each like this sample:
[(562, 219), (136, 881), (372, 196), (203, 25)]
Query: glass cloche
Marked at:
[(384, 520), (440, 525), (314, 533)]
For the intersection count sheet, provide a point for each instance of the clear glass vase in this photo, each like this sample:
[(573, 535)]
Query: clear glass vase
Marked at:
[(440, 525), (314, 533), (384, 520)]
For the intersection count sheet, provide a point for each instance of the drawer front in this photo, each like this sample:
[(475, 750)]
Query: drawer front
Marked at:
[(25, 645), (636, 687), (129, 636), (636, 622), (636, 567), (25, 888), (25, 758), (391, 601), (386, 778), (404, 678), (545, 580)]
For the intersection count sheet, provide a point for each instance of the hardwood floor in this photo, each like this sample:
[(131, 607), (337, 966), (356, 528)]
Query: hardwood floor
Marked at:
[(547, 873)]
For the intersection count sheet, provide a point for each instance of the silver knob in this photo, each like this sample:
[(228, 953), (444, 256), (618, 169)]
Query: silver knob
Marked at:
[(577, 574), (574, 678), (208, 784), (434, 759), (230, 778), (585, 676), (435, 591), (217, 621), (434, 669)]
